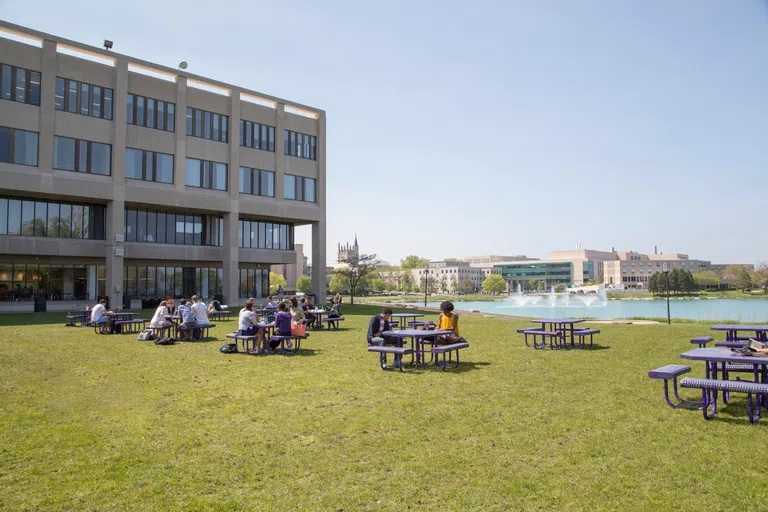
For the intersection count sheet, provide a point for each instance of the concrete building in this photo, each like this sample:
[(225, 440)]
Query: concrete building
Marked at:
[(494, 258), (447, 274), (128, 179), (632, 270)]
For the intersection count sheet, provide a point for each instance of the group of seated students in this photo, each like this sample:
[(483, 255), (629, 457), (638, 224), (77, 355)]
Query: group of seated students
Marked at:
[(193, 315), (286, 321), (447, 321)]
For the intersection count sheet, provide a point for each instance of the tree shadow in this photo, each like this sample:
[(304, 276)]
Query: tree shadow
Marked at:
[(464, 366)]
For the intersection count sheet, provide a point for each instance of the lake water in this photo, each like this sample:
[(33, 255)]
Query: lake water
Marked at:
[(714, 310)]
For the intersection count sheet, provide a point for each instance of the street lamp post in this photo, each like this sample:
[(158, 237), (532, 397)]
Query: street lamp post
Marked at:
[(426, 285), (665, 268)]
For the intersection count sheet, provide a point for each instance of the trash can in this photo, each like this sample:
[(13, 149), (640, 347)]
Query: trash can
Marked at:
[(40, 305)]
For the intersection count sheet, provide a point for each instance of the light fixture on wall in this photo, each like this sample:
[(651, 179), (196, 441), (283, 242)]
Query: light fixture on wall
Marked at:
[(183, 65), (107, 44)]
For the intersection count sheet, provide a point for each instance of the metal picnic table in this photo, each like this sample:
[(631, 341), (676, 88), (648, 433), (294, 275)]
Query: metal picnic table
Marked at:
[(564, 325), (405, 317), (732, 331), (318, 323), (415, 335), (118, 317), (724, 356), (78, 319)]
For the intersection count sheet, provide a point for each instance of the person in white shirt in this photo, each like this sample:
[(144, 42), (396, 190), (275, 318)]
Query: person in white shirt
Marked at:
[(247, 321), (159, 318), (200, 311), (99, 313), (271, 304)]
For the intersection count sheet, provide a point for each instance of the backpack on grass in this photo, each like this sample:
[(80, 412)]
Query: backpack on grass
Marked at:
[(164, 341), (146, 336), (229, 348)]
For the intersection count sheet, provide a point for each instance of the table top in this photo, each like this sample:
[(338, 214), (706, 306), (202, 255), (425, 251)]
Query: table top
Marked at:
[(558, 321), (406, 315), (414, 333), (753, 328), (721, 355), (121, 314)]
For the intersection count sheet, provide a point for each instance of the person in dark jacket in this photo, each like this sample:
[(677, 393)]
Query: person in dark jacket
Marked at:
[(378, 325)]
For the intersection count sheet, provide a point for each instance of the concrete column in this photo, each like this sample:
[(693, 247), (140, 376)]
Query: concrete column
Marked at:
[(180, 160), (116, 207), (279, 151), (318, 261), (231, 255), (47, 108)]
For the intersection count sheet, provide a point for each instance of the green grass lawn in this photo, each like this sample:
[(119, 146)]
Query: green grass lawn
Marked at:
[(92, 422)]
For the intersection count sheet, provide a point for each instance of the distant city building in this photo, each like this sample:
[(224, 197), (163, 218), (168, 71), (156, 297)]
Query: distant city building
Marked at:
[(348, 252), (493, 258), (719, 267), (447, 275), (633, 270)]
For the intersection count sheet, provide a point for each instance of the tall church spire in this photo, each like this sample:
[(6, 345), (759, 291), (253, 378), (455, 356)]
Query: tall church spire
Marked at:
[(355, 246)]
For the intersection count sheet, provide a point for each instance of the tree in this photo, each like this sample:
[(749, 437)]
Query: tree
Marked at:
[(407, 283), (275, 281), (357, 272), (560, 287), (494, 284), (466, 286), (413, 261), (304, 284), (737, 276), (706, 279), (337, 284), (378, 284), (761, 275)]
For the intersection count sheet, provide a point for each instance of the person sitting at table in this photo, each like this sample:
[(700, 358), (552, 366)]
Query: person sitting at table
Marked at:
[(187, 319), (171, 306), (214, 305), (246, 321), (201, 315), (448, 321), (308, 307), (377, 326), (283, 320), (297, 313), (159, 319), (99, 313), (271, 304)]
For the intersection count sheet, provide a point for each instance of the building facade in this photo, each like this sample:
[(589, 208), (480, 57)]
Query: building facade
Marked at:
[(633, 270), (293, 271), (132, 180), (445, 276)]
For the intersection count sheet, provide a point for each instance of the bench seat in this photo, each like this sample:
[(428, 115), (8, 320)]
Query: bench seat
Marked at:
[(582, 335), (701, 341), (285, 340), (246, 339), (131, 326), (397, 352), (672, 372), (447, 351), (731, 344), (708, 386), (669, 372), (333, 323)]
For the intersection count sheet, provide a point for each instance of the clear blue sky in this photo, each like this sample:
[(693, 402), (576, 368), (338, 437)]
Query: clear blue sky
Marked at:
[(461, 128)]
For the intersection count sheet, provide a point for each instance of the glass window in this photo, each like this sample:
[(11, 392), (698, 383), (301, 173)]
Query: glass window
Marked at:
[(21, 85), (268, 183), (216, 127), (192, 173), (27, 218), (84, 98), (141, 226), (52, 227), (72, 87), (271, 142), (293, 143), (268, 239), (198, 123), (206, 125), (240, 233), (244, 180), (133, 164), (3, 218), (189, 121), (254, 227), (65, 221), (149, 165), (309, 190), (170, 228), (312, 149), (101, 159), (130, 225), (224, 128), (64, 153), (14, 217), (5, 144), (108, 104), (275, 236), (171, 117), (306, 146), (58, 99), (262, 235), (263, 144), (198, 230), (96, 101), (189, 230), (283, 237), (207, 174), (140, 110), (299, 145), (5, 82), (151, 227), (219, 180), (130, 104), (289, 187), (77, 221), (286, 143), (160, 115), (86, 221), (248, 134), (164, 168), (150, 113), (41, 218), (161, 228)]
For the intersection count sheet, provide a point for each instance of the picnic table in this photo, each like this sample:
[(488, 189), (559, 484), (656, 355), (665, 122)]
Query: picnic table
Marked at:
[(563, 325), (117, 317), (732, 332), (319, 313), (724, 357), (415, 335), (78, 319), (405, 317)]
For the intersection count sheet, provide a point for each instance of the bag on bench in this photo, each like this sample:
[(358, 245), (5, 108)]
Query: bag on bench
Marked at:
[(146, 336)]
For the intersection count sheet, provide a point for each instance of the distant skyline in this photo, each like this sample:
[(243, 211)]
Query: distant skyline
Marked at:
[(494, 127)]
